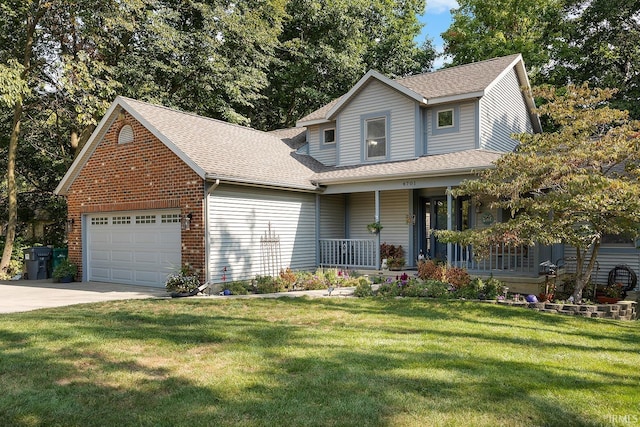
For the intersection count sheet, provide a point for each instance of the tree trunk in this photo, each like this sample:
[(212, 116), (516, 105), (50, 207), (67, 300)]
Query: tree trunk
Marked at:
[(583, 275), (12, 195)]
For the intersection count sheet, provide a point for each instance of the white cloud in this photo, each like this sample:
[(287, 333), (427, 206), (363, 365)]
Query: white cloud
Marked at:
[(440, 6)]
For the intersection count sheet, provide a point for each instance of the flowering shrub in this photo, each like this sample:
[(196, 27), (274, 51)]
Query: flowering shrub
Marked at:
[(472, 290), (430, 270), (457, 276), (391, 251), (288, 277), (238, 287), (363, 288), (615, 290), (269, 285), (183, 281), (308, 281)]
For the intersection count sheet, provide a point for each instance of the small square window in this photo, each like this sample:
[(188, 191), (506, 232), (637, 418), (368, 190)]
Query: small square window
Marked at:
[(329, 136), (445, 119)]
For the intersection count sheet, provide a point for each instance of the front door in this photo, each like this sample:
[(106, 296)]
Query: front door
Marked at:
[(434, 217)]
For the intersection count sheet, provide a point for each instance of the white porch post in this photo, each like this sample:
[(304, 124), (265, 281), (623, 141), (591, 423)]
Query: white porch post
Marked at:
[(377, 219), (449, 224), (317, 231)]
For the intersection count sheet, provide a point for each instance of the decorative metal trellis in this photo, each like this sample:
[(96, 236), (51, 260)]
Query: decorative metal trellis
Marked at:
[(271, 253)]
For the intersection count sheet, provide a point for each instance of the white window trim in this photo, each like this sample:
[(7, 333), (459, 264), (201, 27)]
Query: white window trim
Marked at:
[(324, 141), (364, 122), (453, 118)]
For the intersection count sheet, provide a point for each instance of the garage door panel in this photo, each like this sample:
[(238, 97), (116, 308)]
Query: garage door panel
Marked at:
[(121, 256), (168, 239), (121, 275), (100, 237), (146, 277), (100, 274), (147, 257), (121, 237), (141, 252), (100, 255), (145, 237)]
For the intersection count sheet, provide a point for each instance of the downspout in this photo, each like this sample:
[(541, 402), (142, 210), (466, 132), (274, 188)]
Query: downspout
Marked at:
[(207, 234), (317, 231), (377, 219), (449, 224)]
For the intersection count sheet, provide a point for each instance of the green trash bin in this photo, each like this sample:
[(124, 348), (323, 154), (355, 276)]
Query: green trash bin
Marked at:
[(59, 254)]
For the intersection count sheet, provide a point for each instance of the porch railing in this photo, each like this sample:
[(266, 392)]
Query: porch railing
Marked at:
[(353, 253), (499, 259)]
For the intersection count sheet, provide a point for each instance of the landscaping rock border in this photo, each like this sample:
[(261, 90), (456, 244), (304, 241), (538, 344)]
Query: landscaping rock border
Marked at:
[(622, 310)]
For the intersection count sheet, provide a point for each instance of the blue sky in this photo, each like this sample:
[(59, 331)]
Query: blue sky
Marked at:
[(437, 19)]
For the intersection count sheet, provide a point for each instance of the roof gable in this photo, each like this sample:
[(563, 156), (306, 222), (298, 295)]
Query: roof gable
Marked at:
[(212, 148), (445, 85), (366, 79)]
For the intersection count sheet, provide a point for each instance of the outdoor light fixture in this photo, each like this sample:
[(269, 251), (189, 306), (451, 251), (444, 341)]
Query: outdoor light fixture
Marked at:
[(69, 225), (186, 221), (411, 218)]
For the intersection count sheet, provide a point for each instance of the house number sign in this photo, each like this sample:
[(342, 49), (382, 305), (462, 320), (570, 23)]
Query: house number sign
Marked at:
[(411, 183)]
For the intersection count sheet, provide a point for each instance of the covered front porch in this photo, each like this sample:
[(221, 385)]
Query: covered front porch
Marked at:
[(408, 218)]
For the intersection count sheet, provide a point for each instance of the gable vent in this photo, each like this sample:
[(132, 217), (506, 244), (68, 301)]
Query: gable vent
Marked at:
[(126, 134)]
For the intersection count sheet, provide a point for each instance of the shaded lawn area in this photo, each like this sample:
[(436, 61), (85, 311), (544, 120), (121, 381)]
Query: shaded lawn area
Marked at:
[(340, 362)]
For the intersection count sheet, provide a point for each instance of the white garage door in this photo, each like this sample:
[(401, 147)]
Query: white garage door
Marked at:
[(138, 248)]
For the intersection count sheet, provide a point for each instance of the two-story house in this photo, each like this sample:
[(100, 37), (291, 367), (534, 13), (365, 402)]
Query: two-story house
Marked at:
[(156, 188)]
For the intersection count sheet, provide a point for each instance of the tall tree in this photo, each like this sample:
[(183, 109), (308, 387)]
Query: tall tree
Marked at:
[(573, 185), (602, 47), (26, 16), (481, 30), (207, 57), (61, 91), (327, 45)]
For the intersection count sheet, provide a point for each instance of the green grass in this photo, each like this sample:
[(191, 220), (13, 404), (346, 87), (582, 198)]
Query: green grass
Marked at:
[(305, 362)]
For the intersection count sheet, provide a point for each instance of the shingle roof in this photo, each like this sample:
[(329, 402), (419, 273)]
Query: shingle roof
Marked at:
[(461, 162), (293, 137), (226, 151), (444, 83), (463, 79)]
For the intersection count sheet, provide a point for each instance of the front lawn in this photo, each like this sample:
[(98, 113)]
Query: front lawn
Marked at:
[(305, 362)]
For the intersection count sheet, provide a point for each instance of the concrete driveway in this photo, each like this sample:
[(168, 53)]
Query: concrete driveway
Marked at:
[(26, 295)]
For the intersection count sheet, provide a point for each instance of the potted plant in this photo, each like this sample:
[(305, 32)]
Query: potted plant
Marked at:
[(65, 272), (611, 294), (374, 227), (395, 263), (184, 283)]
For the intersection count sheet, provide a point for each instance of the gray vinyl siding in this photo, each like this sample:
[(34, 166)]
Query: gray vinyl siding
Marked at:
[(464, 139), (238, 217), (503, 112), (325, 154), (610, 256), (361, 210), (394, 208), (332, 215), (377, 98)]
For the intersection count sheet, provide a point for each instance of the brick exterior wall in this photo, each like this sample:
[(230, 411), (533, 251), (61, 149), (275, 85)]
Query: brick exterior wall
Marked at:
[(143, 174)]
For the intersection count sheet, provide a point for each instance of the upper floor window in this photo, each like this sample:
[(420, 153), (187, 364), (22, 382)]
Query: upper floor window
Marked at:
[(445, 119), (375, 131), (329, 136)]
